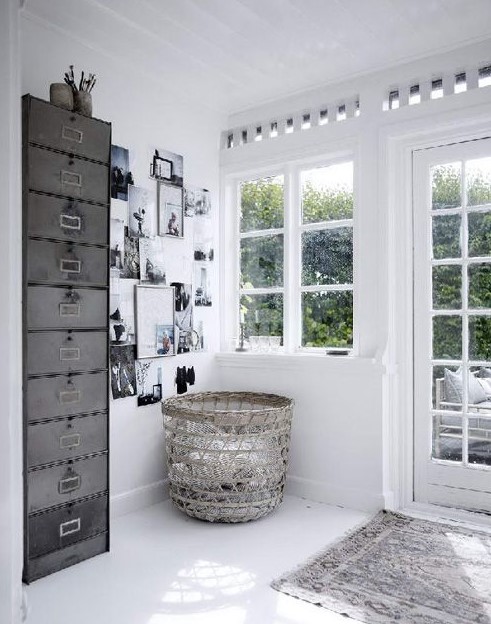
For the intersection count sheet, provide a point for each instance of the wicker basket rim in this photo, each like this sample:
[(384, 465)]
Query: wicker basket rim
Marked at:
[(182, 403)]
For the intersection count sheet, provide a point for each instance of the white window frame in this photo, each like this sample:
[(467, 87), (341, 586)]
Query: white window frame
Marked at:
[(292, 230)]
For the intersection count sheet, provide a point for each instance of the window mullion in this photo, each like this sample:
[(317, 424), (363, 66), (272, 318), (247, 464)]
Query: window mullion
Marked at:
[(291, 261)]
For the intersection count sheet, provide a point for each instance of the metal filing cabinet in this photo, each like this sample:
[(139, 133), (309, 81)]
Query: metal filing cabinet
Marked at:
[(66, 177)]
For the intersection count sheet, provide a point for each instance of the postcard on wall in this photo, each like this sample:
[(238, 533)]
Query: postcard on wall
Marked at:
[(167, 166), (121, 175), (154, 321), (117, 245), (141, 211), (123, 380), (148, 382), (171, 211), (131, 266), (152, 260), (184, 315), (203, 240), (202, 285), (196, 201)]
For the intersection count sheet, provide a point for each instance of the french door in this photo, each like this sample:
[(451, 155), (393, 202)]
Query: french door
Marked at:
[(452, 325)]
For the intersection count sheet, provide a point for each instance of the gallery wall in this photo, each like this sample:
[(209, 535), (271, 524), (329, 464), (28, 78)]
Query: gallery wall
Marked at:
[(145, 115)]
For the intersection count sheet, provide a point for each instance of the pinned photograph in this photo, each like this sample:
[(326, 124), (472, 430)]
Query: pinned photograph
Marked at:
[(121, 175), (196, 201), (170, 211), (131, 264), (202, 286), (141, 211), (148, 382), (152, 262), (203, 240), (165, 340), (117, 328), (116, 253), (123, 379), (167, 167), (184, 315)]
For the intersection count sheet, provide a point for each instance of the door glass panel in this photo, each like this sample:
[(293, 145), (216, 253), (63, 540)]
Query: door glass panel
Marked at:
[(446, 236), (446, 185), (479, 440), (479, 277), (478, 181), (479, 224), (447, 287), (447, 337), (480, 337), (447, 388), (447, 437)]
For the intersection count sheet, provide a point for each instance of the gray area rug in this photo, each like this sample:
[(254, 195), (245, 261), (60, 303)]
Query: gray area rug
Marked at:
[(400, 569)]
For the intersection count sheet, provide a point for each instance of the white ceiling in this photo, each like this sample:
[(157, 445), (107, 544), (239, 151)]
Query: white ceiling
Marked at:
[(240, 53)]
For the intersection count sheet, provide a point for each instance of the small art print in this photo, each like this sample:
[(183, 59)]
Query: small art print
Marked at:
[(141, 211), (171, 211), (123, 379), (121, 175), (149, 382), (196, 201), (167, 166)]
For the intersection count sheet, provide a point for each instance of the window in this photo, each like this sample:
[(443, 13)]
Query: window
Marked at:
[(296, 256)]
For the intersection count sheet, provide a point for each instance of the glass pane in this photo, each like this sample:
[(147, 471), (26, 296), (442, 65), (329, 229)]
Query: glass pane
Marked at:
[(261, 261), (263, 314), (447, 287), (447, 337), (447, 437), (479, 286), (447, 388), (446, 236), (327, 193), (480, 337), (327, 257), (327, 319), (261, 204), (479, 224), (479, 444), (478, 181), (446, 186)]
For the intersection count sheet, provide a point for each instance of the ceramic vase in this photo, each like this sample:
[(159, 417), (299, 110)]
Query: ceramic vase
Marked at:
[(61, 94), (82, 103)]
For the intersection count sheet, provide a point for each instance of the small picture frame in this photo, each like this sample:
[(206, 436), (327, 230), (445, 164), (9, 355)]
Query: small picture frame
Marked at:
[(157, 392), (171, 211), (155, 321)]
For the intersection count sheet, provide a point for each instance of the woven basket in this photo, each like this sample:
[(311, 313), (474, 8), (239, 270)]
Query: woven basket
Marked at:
[(227, 453)]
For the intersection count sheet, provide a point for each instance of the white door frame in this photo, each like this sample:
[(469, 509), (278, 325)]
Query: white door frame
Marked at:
[(395, 155)]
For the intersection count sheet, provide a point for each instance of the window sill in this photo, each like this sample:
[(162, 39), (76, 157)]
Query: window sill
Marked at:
[(294, 361)]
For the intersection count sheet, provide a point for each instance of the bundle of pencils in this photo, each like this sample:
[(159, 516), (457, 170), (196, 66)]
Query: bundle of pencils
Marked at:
[(85, 84)]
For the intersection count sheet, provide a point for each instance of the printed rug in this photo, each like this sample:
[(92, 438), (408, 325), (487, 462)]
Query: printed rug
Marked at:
[(400, 569)]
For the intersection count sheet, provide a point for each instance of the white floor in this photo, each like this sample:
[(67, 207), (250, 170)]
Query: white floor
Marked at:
[(166, 568)]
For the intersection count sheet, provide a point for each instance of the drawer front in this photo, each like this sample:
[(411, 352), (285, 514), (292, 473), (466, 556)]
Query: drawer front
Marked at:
[(66, 351), (61, 263), (52, 397), (66, 308), (55, 485), (66, 526), (61, 559), (65, 439), (66, 219), (73, 177), (69, 132)]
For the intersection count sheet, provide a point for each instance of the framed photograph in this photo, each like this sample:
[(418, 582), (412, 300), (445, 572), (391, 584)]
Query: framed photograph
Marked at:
[(171, 211), (167, 166), (155, 319)]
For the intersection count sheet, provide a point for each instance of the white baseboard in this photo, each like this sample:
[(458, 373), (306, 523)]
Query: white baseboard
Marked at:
[(144, 496), (327, 493)]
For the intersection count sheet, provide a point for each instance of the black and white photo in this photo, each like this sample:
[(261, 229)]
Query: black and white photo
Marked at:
[(148, 382), (203, 240), (184, 315), (121, 175), (202, 285), (131, 266), (196, 201), (171, 211), (152, 262), (167, 166), (117, 245), (141, 211), (123, 379)]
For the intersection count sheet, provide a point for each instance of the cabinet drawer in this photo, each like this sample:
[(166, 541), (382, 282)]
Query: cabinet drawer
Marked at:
[(56, 485), (65, 175), (61, 129), (66, 263), (66, 351), (64, 439), (60, 308), (66, 219), (61, 559), (68, 525), (52, 397)]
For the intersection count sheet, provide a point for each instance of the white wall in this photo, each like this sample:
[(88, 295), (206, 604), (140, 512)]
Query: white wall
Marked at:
[(145, 114), (348, 441)]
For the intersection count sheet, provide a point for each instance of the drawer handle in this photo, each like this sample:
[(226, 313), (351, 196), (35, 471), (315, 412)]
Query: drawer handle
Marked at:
[(72, 526), (67, 397), (69, 484), (70, 310), (69, 178), (68, 222), (67, 265), (69, 354), (70, 441), (72, 134)]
